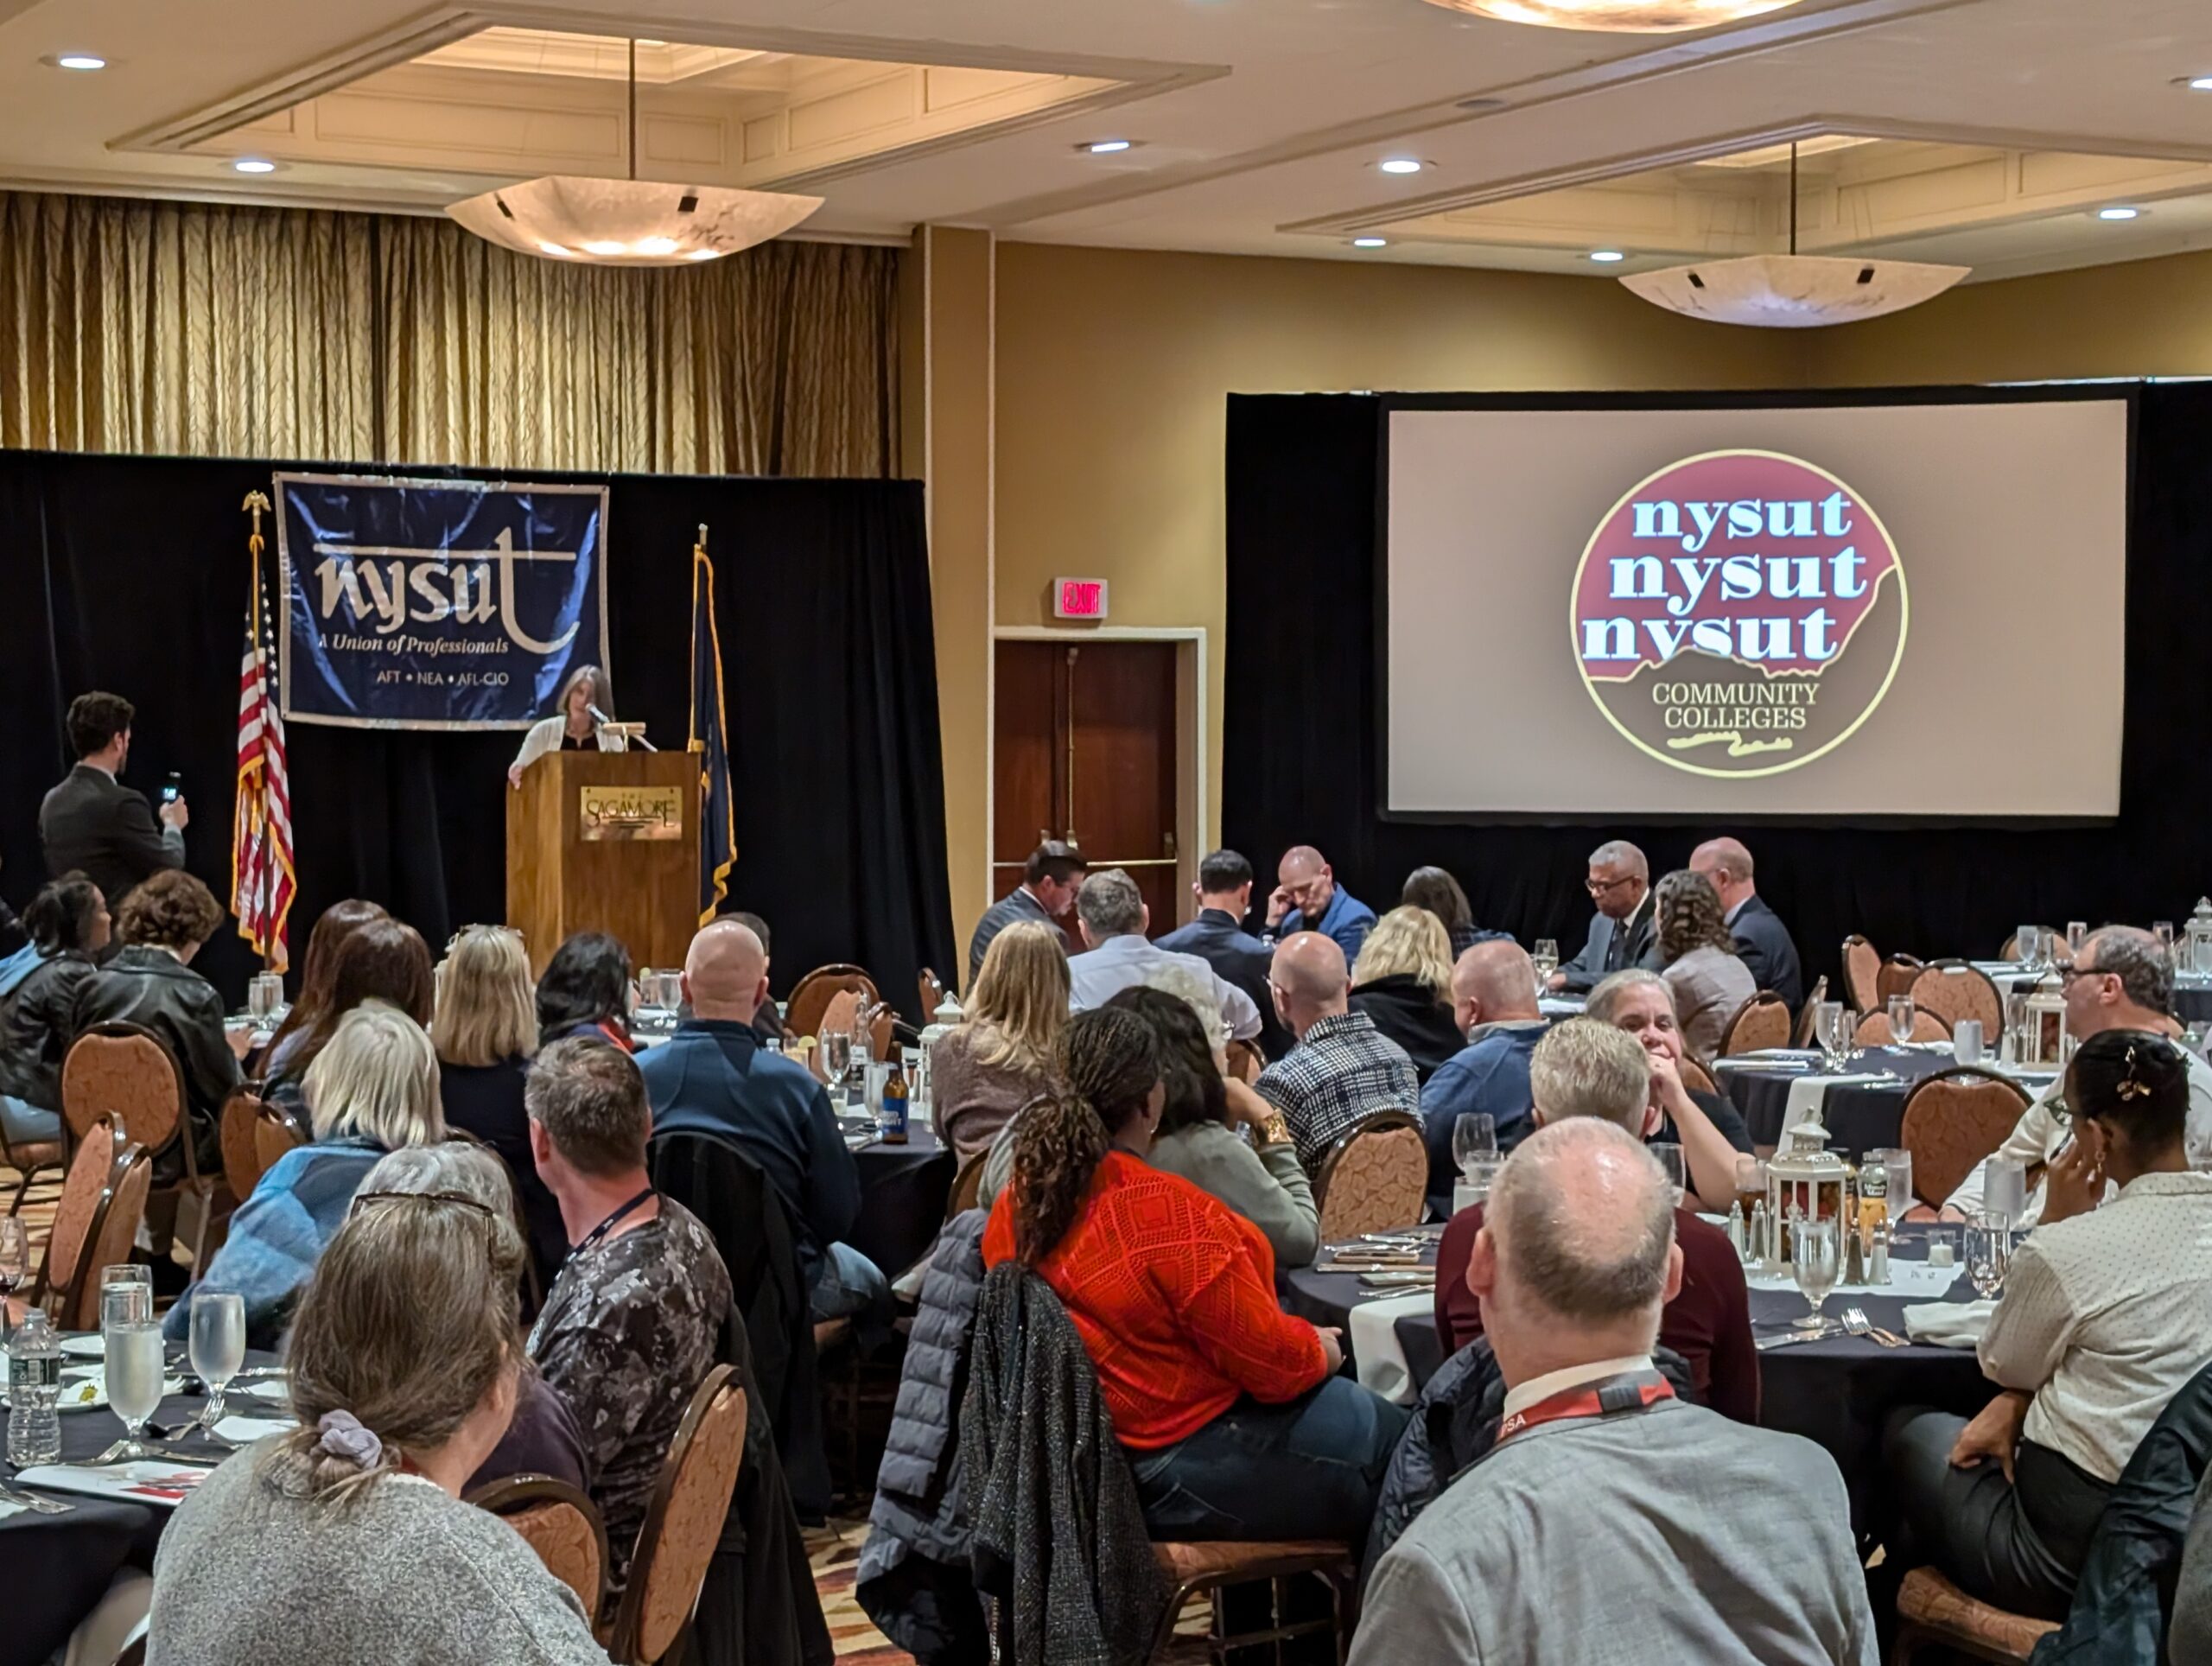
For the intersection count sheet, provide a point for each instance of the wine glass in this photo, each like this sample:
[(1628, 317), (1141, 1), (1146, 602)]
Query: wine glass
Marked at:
[(2077, 933), (2027, 943), (1545, 957), (1816, 1258), (2164, 930), (132, 1342), (1901, 1017), (15, 1264), (1989, 1255), (836, 1060), (1475, 1134), (1670, 1162), (1832, 1030), (218, 1351)]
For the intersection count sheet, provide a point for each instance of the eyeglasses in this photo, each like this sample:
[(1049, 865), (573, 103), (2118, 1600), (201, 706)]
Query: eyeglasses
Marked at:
[(1599, 887), (2067, 974), (360, 1198)]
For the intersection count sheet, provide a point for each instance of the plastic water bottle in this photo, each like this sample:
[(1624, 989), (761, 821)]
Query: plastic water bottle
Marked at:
[(33, 1392)]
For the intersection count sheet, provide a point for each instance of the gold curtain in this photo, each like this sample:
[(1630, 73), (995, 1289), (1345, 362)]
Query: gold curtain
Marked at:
[(191, 329)]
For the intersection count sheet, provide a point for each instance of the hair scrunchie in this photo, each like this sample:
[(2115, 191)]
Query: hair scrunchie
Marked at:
[(344, 1436)]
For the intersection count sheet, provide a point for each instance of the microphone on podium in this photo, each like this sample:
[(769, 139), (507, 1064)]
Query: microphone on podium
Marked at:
[(602, 719)]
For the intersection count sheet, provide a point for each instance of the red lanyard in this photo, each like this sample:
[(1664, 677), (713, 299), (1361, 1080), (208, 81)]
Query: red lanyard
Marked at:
[(1606, 1397)]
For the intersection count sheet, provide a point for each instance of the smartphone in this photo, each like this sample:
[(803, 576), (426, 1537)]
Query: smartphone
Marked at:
[(173, 789)]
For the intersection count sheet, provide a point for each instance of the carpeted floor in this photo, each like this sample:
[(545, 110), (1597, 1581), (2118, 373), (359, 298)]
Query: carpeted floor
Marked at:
[(835, 1552)]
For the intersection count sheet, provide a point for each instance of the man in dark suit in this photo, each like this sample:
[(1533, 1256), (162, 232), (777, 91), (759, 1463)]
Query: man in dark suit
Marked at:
[(1219, 938), (1762, 940), (1623, 932), (92, 822)]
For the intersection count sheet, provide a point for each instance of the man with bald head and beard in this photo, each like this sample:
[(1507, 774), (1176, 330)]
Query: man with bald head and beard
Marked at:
[(1612, 1522), (1308, 898), (714, 1077), (1342, 1070)]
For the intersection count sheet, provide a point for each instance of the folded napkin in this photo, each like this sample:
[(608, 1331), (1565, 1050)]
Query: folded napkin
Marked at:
[(244, 1431), (1948, 1324), (1807, 1093)]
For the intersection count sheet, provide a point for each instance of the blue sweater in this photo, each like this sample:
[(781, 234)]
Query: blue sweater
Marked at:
[(1490, 1074), (278, 1234)]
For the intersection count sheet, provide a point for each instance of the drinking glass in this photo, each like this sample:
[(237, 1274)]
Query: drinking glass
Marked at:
[(15, 1265), (671, 992), (1750, 1184), (2164, 930), (218, 1351), (1816, 1257), (2027, 942), (1901, 1017), (1478, 1177), (1989, 1255), (1670, 1160), (263, 995), (1475, 1134), (1545, 956), (2003, 1189), (1829, 1029), (132, 1342), (836, 1059), (129, 1273), (2077, 933), (1966, 1041)]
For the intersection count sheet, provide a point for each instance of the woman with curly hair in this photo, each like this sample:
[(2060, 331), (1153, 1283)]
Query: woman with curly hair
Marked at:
[(1698, 958), (1218, 1395)]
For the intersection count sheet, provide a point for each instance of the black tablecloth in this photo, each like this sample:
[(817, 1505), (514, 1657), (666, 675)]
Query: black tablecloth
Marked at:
[(58, 1567), (1858, 1116), (903, 1193)]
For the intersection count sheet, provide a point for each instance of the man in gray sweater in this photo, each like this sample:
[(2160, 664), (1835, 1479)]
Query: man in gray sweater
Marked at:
[(1612, 1523)]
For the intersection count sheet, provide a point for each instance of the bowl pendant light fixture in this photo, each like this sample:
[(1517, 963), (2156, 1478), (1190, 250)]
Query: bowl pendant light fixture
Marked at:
[(1628, 17), (628, 222), (1793, 291)]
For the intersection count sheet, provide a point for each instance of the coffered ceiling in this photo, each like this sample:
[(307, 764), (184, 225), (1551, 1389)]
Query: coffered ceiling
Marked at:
[(1988, 132)]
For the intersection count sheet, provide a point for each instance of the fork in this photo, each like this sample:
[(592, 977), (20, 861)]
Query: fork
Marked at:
[(32, 1502), (1856, 1323)]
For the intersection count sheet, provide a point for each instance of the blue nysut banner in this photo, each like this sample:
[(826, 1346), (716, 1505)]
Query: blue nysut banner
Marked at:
[(437, 604)]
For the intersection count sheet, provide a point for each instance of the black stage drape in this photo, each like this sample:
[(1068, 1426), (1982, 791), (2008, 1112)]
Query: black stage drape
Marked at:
[(1301, 745), (129, 573)]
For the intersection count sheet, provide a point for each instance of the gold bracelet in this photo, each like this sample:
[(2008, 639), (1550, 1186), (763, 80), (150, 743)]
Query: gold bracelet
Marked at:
[(1274, 1130)]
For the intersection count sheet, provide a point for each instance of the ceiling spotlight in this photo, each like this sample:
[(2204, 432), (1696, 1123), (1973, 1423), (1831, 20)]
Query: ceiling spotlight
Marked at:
[(1105, 147), (1401, 164), (1371, 243), (2119, 213), (2196, 83), (1606, 257), (655, 245), (1635, 17), (254, 165), (557, 250), (75, 60), (703, 254), (602, 245)]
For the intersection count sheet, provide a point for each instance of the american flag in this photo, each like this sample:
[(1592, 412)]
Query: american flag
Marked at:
[(262, 879)]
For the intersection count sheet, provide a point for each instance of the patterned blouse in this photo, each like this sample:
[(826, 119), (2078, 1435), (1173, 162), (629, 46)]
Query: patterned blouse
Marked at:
[(629, 1330)]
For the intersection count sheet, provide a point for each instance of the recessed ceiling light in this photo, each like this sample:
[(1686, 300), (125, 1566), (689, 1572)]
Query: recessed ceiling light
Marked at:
[(555, 249), (703, 254), (75, 60), (2196, 83), (656, 245), (1371, 243), (606, 246), (1401, 164), (1606, 257), (1105, 147), (254, 165), (2119, 213)]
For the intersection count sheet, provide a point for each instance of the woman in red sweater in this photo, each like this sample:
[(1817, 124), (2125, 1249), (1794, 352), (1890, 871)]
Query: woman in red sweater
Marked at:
[(1231, 1412)]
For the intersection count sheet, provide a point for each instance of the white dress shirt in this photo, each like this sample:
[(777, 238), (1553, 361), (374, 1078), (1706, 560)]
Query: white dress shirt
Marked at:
[(2104, 1316), (1125, 962)]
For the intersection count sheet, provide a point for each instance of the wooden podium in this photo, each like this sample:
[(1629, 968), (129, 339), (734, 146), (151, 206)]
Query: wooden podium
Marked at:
[(606, 842)]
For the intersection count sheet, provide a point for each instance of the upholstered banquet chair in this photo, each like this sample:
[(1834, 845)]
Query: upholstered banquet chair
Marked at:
[(1862, 974), (1762, 1021), (103, 1202), (1215, 1567), (1374, 1179), (1951, 1121), (1896, 977), (812, 994), (683, 1524), (119, 1070), (1952, 990), (561, 1524), (1873, 1030), (1808, 1015)]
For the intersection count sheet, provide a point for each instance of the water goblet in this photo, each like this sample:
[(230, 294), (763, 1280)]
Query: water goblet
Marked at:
[(132, 1342), (1989, 1255), (1901, 1016), (1474, 1135), (1816, 1259), (218, 1351)]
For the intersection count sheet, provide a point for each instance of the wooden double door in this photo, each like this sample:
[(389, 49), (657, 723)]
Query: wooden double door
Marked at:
[(1085, 750)]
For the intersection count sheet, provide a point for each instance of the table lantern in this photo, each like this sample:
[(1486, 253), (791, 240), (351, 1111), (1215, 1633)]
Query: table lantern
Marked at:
[(942, 1023), (2196, 956), (2044, 1042), (1804, 1176)]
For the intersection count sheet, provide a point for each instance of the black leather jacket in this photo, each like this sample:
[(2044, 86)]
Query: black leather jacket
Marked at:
[(150, 987), (37, 1024)]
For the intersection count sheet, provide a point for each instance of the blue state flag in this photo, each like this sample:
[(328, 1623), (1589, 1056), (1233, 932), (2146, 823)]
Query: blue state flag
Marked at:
[(717, 811)]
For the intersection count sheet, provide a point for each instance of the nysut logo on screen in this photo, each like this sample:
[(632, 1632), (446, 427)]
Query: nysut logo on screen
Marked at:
[(1739, 613)]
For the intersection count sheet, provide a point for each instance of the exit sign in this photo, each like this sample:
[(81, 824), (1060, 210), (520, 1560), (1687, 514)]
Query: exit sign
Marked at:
[(1078, 598)]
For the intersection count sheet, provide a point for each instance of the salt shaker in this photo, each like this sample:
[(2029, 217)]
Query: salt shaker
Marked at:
[(1878, 1263)]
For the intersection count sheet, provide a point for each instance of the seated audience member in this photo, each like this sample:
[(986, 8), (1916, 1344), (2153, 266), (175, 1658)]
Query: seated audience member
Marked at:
[(1200, 1133), (2120, 980), (1585, 1069), (374, 1090), (585, 992), (149, 982), (768, 1023), (1612, 1520), (1434, 889), (1402, 980), (1708, 1128), (1049, 883), (379, 959), (1342, 1070), (1697, 957), (68, 926), (1762, 940), (345, 1542), (1494, 1006), (1219, 938), (1622, 930), (712, 1077), (1217, 1394), (485, 1030), (92, 824), (632, 1326), (1308, 898), (315, 1006), (2102, 1318), (1111, 912), (2190, 1637), (998, 1057)]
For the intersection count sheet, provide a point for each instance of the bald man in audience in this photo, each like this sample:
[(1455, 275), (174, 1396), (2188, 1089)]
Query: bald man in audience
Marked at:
[(1623, 931), (1308, 898), (714, 1077), (1342, 1070), (1494, 1003), (1612, 1522), (1763, 941)]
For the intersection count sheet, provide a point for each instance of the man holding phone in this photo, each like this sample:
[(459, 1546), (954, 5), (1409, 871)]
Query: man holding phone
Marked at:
[(94, 825)]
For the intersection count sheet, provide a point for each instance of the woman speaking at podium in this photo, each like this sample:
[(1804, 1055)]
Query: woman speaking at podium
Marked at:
[(585, 707)]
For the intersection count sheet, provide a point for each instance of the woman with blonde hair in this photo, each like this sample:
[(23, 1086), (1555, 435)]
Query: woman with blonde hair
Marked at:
[(1000, 1056), (346, 1541), (485, 1030), (1698, 958), (1402, 981), (373, 1089)]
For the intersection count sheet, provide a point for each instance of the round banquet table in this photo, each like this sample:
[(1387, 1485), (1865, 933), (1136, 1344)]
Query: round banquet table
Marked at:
[(1836, 1392), (58, 1566), (903, 1193), (1858, 1116)]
